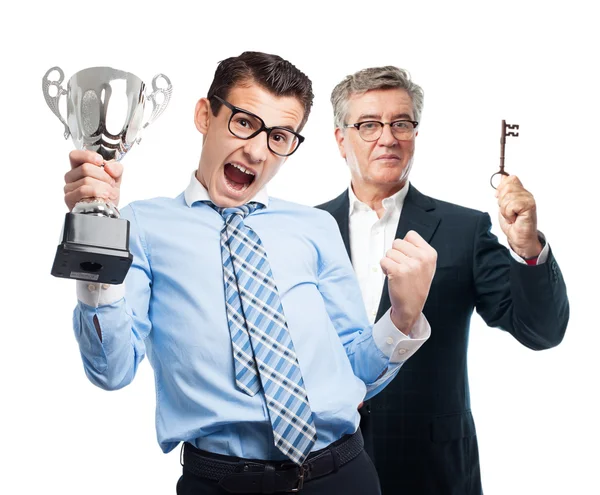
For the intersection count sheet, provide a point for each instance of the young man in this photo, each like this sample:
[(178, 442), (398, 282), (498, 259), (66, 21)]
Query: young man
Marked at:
[(260, 357), (420, 427)]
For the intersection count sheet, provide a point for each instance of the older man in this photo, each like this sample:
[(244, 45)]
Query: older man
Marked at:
[(420, 427), (239, 380)]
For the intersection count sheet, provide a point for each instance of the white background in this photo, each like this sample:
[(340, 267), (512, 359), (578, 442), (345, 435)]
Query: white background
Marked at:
[(534, 64)]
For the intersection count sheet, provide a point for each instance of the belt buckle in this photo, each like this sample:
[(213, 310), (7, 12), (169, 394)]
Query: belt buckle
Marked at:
[(300, 480)]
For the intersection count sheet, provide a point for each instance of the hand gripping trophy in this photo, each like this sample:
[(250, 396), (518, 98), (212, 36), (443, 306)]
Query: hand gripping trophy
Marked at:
[(95, 241)]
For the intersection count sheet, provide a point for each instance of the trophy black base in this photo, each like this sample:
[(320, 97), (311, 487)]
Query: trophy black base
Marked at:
[(94, 249)]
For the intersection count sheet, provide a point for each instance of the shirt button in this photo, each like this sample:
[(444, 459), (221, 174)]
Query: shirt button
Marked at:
[(374, 268), (91, 287), (389, 340), (401, 351), (374, 313), (105, 286)]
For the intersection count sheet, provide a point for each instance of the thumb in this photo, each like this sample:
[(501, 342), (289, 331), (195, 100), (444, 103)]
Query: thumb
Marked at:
[(504, 224)]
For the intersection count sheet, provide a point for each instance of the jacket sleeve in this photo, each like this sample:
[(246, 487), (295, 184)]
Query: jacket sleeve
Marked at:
[(529, 302)]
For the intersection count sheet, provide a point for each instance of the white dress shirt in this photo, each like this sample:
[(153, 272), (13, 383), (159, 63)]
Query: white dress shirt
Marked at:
[(398, 346), (371, 237)]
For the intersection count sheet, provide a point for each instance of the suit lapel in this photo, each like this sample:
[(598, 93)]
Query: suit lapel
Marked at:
[(418, 215), (339, 209)]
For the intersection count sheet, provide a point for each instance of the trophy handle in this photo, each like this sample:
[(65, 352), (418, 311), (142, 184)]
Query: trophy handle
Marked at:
[(52, 101), (159, 108)]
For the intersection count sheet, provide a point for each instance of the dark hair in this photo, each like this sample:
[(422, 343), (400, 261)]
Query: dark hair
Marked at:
[(273, 73)]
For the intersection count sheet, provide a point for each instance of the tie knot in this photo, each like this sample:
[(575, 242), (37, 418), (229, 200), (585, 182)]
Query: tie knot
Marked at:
[(243, 210)]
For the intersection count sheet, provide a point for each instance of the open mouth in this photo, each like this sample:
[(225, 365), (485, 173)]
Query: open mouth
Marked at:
[(237, 177)]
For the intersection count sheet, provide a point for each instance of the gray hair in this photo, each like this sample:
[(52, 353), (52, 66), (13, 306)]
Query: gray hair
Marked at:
[(388, 77)]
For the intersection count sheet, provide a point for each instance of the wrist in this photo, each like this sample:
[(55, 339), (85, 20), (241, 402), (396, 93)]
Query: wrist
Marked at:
[(399, 322), (530, 251)]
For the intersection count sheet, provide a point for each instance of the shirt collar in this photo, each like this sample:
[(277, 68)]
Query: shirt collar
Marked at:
[(197, 192), (394, 201)]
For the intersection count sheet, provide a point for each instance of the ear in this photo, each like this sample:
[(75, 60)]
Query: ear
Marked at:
[(202, 115), (339, 137)]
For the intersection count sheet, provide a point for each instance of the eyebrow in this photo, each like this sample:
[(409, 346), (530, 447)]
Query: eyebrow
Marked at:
[(288, 127), (373, 116)]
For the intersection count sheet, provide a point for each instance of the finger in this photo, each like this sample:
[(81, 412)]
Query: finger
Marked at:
[(510, 179), (114, 169), (508, 217), (77, 157), (507, 183), (407, 248), (88, 170), (507, 197), (387, 265), (399, 257), (416, 240), (524, 200), (392, 268), (513, 179), (512, 189), (90, 183), (86, 192), (512, 209), (424, 250)]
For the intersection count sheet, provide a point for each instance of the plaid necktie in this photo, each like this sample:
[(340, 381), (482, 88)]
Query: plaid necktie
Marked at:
[(263, 350)]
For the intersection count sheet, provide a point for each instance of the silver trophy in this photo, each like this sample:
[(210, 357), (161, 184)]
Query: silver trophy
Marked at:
[(105, 114)]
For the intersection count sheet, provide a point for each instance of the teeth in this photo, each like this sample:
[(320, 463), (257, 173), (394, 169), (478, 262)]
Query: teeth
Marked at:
[(239, 167)]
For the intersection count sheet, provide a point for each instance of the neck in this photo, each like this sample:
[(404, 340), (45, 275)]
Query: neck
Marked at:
[(199, 175), (373, 195)]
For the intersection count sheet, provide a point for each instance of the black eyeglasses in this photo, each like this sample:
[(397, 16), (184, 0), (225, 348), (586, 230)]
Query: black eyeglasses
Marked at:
[(371, 130), (245, 125)]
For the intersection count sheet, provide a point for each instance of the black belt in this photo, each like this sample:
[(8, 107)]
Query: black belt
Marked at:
[(237, 475)]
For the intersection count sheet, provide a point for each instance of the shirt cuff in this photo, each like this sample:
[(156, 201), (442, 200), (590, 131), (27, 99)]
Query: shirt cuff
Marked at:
[(95, 294), (542, 257), (394, 344)]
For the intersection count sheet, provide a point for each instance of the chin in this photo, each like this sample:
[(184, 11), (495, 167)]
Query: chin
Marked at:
[(229, 201), (223, 202)]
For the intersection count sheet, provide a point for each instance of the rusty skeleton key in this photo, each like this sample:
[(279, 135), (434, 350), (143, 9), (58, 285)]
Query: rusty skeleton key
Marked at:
[(512, 131)]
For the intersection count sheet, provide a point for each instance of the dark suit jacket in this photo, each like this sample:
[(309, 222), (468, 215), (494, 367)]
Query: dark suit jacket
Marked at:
[(419, 429)]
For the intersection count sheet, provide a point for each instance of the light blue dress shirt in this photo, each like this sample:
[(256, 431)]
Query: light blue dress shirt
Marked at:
[(173, 310)]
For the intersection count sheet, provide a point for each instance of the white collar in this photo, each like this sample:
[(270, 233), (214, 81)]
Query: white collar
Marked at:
[(197, 192), (394, 201)]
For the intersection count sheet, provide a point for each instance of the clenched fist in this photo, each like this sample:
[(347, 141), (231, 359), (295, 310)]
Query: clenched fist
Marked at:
[(89, 179), (409, 267), (518, 217)]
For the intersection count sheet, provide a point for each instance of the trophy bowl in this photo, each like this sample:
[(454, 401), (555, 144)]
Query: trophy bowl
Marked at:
[(106, 112)]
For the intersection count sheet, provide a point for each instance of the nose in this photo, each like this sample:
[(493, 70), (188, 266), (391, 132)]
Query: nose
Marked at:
[(387, 138), (256, 148)]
